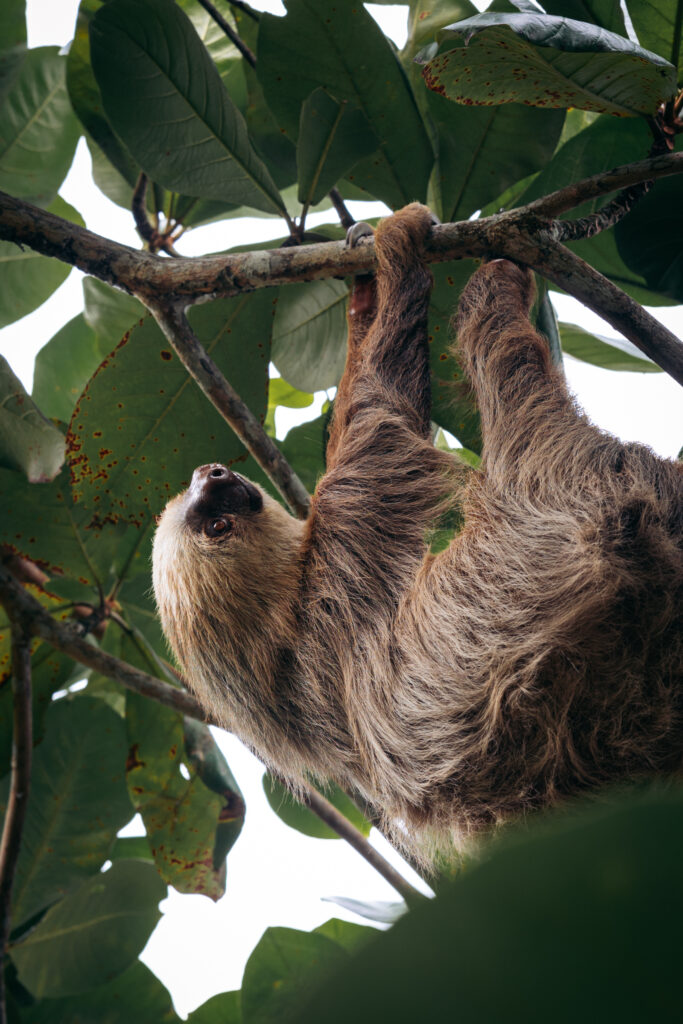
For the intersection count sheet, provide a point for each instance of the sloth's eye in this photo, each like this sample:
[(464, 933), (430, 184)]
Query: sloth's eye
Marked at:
[(216, 527)]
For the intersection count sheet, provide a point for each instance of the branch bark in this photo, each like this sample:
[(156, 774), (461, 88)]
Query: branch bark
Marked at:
[(20, 782), (223, 396)]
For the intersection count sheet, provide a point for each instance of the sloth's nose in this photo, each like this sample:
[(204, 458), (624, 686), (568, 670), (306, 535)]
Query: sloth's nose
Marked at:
[(212, 475)]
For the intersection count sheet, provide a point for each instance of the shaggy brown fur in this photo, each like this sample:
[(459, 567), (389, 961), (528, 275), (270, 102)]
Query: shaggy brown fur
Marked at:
[(540, 655)]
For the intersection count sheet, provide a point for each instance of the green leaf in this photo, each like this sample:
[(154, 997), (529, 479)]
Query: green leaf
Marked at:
[(546, 62), (484, 150), (346, 934), (304, 448), (280, 393), (299, 817), (309, 334), (50, 671), (211, 767), (143, 425), (581, 912), (453, 405), (38, 130), (332, 138), (131, 848), (273, 145), (93, 934), (27, 279), (308, 49), (605, 13), (225, 1008), (281, 969), (41, 522), (134, 997), (78, 803), (110, 313), (29, 442), (611, 353), (658, 26), (185, 820), (381, 911), (171, 108), (63, 367), (649, 240), (225, 55), (426, 18), (12, 24), (546, 323)]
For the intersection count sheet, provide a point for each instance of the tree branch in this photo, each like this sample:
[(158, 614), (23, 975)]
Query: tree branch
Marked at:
[(20, 782), (328, 813), (576, 277), (598, 185), (229, 31), (65, 636), (225, 399)]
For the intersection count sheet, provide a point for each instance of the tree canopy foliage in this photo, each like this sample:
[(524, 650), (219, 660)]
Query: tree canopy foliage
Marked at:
[(196, 113)]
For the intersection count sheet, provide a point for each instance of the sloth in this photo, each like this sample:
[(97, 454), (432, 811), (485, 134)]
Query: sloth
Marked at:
[(539, 656)]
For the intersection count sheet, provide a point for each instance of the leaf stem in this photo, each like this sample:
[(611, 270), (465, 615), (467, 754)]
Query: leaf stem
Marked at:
[(230, 31)]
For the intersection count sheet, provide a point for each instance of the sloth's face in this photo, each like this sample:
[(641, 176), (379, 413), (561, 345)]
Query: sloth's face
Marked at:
[(219, 501)]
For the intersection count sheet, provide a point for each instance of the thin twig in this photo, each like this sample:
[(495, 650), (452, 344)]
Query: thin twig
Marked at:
[(328, 813), (234, 411), (63, 636), (345, 218), (20, 782), (229, 31)]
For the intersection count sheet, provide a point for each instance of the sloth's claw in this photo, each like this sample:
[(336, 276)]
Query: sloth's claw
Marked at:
[(357, 231)]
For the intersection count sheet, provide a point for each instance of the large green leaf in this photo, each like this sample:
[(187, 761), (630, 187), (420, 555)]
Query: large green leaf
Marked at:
[(650, 239), (111, 313), (78, 803), (309, 334), (41, 522), (483, 150), (29, 442), (38, 130), (93, 934), (546, 62), (281, 970), (658, 25), (332, 138), (225, 1008), (143, 425), (134, 997), (182, 815), (63, 366), (309, 48), (27, 279), (584, 913), (299, 817), (304, 448), (12, 24), (610, 353), (171, 108), (605, 13)]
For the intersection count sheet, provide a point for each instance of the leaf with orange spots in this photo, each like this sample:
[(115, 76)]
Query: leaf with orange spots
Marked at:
[(142, 425), (186, 818), (41, 522), (545, 61)]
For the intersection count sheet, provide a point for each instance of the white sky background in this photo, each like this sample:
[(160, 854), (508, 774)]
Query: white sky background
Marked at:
[(275, 875)]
